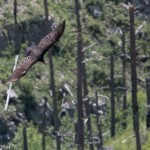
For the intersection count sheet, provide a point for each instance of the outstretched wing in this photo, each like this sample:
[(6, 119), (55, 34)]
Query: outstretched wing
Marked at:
[(30, 49), (22, 68), (36, 53), (50, 39)]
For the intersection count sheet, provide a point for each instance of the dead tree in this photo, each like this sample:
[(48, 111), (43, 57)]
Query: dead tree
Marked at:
[(52, 84), (124, 60), (44, 117), (85, 88), (52, 87), (98, 122), (16, 44), (25, 141), (44, 127), (80, 133), (15, 11), (87, 108), (45, 3), (124, 72), (46, 9), (112, 88), (134, 79), (10, 84), (148, 102)]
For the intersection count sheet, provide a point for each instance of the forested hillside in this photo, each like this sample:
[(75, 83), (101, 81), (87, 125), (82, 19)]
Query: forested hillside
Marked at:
[(93, 92)]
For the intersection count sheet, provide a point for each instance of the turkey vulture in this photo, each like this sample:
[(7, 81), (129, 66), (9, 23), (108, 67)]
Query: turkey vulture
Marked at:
[(36, 53)]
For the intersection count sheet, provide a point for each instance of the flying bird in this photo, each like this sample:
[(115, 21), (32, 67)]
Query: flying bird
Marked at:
[(36, 53)]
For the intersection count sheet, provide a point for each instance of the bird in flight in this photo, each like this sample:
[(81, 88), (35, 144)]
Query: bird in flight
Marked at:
[(36, 53)]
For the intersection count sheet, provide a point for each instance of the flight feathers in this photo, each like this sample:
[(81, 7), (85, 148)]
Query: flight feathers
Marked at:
[(36, 53)]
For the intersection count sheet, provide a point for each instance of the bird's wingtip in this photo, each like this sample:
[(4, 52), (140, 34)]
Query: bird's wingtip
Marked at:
[(63, 24)]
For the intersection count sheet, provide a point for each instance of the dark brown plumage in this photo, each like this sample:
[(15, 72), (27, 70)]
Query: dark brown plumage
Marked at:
[(37, 53)]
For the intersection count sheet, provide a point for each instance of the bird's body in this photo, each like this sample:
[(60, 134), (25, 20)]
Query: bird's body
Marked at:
[(36, 53)]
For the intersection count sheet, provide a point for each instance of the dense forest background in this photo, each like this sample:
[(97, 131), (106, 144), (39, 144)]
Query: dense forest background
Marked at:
[(94, 90)]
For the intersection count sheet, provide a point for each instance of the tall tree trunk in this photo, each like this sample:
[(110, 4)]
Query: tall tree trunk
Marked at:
[(134, 79), (112, 88), (76, 133), (98, 122), (46, 9), (87, 108), (80, 140), (85, 94), (44, 126), (124, 72), (16, 43), (52, 86), (15, 11), (25, 141), (124, 80), (148, 102)]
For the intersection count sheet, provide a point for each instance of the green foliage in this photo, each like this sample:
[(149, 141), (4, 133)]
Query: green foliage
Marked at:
[(35, 85), (34, 138)]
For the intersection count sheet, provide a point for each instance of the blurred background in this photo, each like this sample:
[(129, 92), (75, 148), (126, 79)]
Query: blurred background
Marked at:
[(44, 106)]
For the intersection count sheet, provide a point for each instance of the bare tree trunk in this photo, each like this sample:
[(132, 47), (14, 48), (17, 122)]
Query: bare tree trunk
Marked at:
[(52, 86), (86, 103), (46, 9), (98, 121), (124, 80), (10, 85), (85, 93), (76, 133), (15, 11), (25, 141), (124, 72), (44, 113), (44, 126), (148, 102), (134, 79), (87, 109), (80, 140), (16, 43), (112, 88)]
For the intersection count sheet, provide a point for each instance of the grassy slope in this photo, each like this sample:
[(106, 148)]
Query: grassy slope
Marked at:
[(66, 65)]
